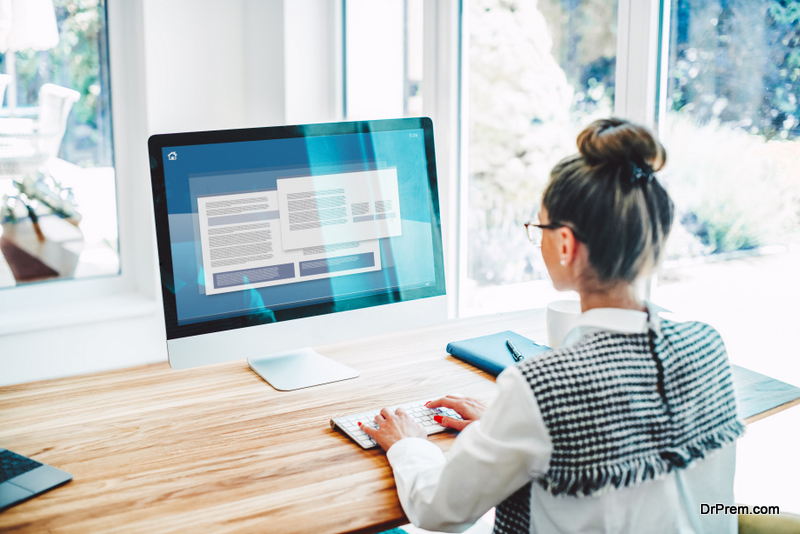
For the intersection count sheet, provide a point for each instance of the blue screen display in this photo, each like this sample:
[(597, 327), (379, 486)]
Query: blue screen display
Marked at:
[(266, 225)]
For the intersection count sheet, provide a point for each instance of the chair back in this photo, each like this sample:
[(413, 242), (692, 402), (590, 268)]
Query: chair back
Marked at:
[(55, 103)]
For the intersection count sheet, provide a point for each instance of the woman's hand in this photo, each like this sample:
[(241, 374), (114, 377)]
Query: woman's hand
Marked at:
[(469, 409), (392, 427)]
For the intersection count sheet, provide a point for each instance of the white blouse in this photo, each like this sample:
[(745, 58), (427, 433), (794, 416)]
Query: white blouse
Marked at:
[(510, 445)]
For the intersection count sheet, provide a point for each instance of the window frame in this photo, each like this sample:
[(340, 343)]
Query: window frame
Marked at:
[(639, 23), (443, 100), (132, 293)]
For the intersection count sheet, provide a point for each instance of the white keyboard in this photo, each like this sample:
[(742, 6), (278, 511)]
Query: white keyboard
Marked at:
[(417, 410)]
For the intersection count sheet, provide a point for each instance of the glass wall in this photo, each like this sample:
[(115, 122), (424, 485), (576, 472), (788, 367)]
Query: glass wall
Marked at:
[(538, 73), (732, 131), (733, 123), (57, 182)]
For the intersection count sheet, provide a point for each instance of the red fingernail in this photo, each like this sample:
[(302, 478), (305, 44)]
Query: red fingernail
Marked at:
[(359, 423), (437, 418), (427, 403)]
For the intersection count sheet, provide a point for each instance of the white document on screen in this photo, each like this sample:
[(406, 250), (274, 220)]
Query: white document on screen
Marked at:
[(338, 208), (242, 247)]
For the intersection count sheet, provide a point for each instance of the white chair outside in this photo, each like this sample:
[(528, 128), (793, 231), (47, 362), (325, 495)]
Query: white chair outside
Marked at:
[(55, 103), (27, 144)]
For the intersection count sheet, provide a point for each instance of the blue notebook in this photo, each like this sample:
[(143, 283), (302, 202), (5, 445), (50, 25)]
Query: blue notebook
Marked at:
[(491, 353)]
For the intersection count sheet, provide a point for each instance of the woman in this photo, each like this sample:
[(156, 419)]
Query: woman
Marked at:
[(630, 426)]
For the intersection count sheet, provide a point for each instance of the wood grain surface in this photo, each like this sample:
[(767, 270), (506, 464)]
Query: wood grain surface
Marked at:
[(216, 449)]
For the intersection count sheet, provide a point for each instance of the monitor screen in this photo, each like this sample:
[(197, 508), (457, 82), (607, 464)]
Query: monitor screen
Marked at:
[(266, 225)]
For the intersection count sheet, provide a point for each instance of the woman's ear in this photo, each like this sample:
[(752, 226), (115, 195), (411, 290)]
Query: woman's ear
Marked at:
[(567, 246)]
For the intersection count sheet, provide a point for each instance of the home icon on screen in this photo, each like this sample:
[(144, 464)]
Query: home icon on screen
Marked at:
[(172, 156)]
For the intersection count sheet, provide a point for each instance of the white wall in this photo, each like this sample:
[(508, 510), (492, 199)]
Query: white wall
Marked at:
[(313, 61), (240, 63), (75, 350), (264, 59), (375, 49), (194, 53)]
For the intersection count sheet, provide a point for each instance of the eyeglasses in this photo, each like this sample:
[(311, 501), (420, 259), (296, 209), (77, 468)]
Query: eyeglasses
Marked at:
[(535, 231)]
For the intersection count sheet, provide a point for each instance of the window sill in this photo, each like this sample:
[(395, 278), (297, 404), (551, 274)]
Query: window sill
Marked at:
[(91, 311)]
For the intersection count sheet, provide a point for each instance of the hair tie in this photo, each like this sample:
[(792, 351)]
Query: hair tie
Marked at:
[(643, 175)]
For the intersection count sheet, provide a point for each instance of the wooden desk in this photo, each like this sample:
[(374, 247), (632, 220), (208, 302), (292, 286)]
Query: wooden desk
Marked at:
[(217, 449)]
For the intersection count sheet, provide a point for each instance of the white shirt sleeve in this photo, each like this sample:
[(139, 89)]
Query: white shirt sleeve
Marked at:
[(489, 461)]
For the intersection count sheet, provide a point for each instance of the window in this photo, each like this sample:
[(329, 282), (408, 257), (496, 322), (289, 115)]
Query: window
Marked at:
[(538, 73), (383, 59), (57, 178), (730, 120), (732, 131)]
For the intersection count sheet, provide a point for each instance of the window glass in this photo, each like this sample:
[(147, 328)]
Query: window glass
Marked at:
[(57, 181), (383, 59), (733, 123), (732, 132), (538, 73)]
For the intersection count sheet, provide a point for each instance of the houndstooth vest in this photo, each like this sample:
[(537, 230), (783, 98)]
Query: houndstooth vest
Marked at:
[(622, 409)]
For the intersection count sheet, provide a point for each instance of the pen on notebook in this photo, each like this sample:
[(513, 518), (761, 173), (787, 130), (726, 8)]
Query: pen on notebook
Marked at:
[(518, 357)]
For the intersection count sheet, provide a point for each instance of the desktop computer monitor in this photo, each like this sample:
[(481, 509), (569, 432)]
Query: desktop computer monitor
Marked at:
[(273, 240)]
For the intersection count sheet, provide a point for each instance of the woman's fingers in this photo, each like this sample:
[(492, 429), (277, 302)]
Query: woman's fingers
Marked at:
[(451, 422), (395, 424), (450, 401), (468, 408), (392, 426)]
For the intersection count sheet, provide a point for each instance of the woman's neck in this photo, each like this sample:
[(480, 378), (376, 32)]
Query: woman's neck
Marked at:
[(621, 295)]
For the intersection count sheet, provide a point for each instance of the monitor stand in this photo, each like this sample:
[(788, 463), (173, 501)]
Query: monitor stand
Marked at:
[(300, 368)]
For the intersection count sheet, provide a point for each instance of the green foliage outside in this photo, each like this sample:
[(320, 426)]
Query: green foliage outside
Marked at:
[(733, 125), (733, 190), (738, 62)]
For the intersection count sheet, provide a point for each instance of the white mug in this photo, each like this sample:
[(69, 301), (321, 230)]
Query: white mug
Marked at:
[(561, 317)]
